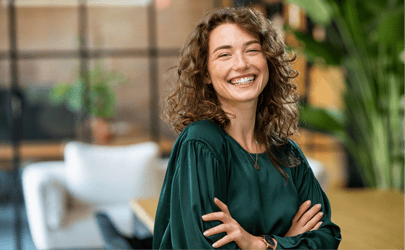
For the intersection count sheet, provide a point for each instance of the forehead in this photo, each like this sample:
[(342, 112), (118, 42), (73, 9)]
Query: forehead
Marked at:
[(229, 34)]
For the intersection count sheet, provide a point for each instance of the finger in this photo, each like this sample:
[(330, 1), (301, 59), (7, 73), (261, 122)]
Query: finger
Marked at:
[(316, 219), (304, 207), (221, 216), (307, 216), (216, 230), (317, 226), (221, 205), (223, 241)]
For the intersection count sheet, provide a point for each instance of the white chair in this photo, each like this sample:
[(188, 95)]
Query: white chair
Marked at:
[(62, 197), (320, 172)]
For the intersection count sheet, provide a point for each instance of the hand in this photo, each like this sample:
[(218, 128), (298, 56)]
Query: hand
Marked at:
[(234, 231), (305, 221)]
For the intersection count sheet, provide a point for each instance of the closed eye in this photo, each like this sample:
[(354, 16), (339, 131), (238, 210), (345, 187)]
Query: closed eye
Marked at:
[(223, 55)]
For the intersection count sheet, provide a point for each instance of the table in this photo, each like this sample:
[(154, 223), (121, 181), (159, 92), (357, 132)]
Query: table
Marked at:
[(145, 210), (368, 218), (53, 150)]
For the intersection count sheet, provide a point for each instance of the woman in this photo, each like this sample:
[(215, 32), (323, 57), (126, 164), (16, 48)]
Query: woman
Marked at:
[(234, 178)]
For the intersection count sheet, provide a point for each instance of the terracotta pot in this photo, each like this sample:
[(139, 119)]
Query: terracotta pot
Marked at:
[(101, 128)]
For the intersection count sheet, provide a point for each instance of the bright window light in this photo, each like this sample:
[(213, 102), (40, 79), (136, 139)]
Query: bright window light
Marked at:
[(76, 2), (294, 16)]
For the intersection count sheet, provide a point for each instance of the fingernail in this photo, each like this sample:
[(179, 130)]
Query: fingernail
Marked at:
[(205, 233), (321, 213), (319, 205), (308, 202), (203, 217), (214, 245)]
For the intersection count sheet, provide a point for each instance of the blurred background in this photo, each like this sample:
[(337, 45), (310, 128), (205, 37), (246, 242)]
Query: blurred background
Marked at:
[(117, 55)]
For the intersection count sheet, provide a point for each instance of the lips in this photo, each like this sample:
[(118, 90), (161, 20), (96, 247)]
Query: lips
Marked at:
[(242, 80)]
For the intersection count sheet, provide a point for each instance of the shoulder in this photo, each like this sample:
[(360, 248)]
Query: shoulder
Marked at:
[(289, 155), (205, 130), (290, 149), (303, 167), (294, 148), (207, 133)]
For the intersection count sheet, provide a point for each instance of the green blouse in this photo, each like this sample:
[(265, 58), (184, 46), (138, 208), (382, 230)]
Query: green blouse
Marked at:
[(205, 163)]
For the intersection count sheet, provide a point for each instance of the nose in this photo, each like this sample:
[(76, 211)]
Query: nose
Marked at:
[(240, 63)]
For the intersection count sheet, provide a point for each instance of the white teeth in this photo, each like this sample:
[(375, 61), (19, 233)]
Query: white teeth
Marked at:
[(243, 81)]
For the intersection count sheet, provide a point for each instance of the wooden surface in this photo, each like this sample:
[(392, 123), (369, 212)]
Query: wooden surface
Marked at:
[(368, 219), (42, 150), (145, 210), (47, 151)]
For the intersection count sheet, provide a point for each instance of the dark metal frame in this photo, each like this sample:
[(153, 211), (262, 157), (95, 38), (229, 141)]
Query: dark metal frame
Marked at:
[(15, 111), (85, 54)]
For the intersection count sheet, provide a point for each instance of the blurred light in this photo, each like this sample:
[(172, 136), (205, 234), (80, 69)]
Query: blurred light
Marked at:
[(120, 2), (319, 33), (278, 22), (294, 16), (402, 56), (76, 2), (42, 2), (163, 4)]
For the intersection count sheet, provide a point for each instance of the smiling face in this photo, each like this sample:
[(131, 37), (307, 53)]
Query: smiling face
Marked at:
[(237, 66)]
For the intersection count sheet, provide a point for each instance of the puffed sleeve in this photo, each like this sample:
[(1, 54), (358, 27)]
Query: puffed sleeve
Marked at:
[(198, 176), (328, 235)]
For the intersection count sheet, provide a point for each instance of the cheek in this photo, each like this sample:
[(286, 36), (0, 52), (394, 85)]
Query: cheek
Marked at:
[(216, 73), (266, 75), (265, 64), (211, 71)]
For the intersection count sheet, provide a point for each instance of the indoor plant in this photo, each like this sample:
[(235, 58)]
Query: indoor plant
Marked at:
[(101, 98), (366, 38)]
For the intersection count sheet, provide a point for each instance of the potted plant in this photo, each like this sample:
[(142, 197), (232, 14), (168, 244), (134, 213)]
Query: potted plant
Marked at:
[(101, 99), (366, 39)]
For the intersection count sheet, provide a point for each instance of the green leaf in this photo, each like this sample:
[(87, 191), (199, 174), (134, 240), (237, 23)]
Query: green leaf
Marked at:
[(75, 102), (102, 100), (110, 105), (319, 11), (59, 93), (354, 24), (366, 38), (322, 120), (314, 50), (391, 28)]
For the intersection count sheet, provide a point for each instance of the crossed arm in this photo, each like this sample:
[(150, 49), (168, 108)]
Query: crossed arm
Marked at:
[(306, 219), (183, 201)]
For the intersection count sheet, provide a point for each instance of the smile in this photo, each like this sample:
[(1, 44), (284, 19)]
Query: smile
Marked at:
[(243, 80)]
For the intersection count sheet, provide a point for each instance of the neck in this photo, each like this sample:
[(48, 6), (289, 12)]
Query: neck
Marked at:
[(243, 117)]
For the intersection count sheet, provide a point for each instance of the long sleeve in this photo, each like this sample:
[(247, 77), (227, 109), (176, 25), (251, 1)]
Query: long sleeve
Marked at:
[(195, 178), (205, 163), (328, 235)]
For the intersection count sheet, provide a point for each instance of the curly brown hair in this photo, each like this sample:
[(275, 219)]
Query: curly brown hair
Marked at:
[(192, 99)]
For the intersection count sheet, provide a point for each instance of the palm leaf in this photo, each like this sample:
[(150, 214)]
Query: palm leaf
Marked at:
[(320, 11), (314, 50), (322, 120)]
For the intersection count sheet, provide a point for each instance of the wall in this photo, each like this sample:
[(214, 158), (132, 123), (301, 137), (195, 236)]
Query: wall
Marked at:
[(56, 28)]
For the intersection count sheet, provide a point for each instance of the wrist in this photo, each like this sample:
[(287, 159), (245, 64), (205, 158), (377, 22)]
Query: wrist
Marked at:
[(257, 243), (275, 243), (269, 242)]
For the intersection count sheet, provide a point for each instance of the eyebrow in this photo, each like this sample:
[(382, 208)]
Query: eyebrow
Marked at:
[(229, 46)]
